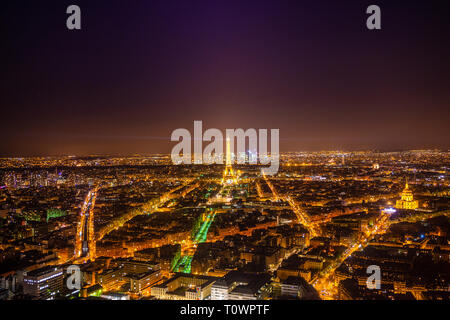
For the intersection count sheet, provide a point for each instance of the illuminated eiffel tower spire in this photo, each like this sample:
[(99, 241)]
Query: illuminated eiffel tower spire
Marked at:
[(228, 175), (228, 160)]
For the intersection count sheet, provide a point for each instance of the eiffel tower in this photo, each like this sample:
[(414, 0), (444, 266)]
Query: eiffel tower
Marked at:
[(229, 176)]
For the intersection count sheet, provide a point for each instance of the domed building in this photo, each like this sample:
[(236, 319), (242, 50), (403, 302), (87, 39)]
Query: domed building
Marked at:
[(407, 200)]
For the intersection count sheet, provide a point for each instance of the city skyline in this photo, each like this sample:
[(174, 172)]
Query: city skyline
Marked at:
[(142, 228), (235, 153)]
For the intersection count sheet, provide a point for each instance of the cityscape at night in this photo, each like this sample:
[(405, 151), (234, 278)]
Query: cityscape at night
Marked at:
[(327, 178), (142, 228)]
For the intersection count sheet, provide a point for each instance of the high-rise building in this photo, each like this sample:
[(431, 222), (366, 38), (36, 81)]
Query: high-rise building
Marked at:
[(43, 283)]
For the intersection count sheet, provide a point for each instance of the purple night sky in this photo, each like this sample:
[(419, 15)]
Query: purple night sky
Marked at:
[(140, 69)]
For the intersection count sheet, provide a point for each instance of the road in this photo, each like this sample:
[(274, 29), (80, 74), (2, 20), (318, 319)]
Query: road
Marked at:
[(302, 216)]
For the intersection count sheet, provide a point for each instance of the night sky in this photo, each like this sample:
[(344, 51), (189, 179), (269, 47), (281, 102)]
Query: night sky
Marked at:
[(140, 69)]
